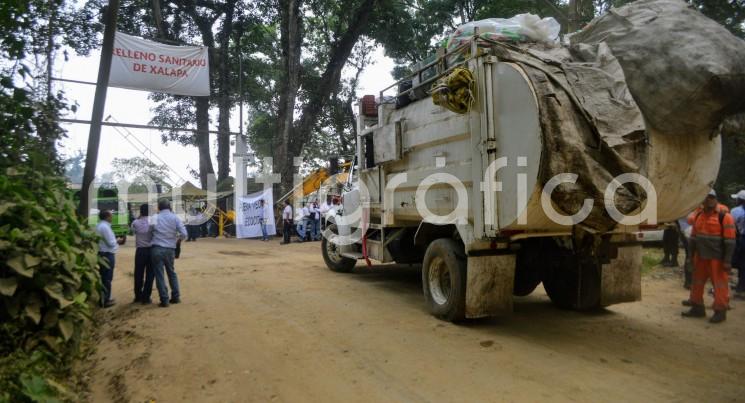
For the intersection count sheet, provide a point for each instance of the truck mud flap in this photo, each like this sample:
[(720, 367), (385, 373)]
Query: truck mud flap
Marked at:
[(620, 280), (489, 285)]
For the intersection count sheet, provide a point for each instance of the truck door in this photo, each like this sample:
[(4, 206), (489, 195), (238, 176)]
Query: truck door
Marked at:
[(506, 135)]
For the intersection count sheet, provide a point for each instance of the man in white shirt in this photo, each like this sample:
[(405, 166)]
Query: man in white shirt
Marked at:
[(303, 224), (107, 247), (168, 230), (315, 220), (286, 223), (325, 207)]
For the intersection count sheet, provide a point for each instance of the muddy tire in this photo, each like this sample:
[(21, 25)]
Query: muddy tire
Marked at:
[(331, 254), (576, 287), (525, 283), (444, 280)]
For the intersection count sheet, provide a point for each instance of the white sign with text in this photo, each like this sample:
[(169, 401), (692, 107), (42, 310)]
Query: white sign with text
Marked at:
[(145, 65), (250, 214)]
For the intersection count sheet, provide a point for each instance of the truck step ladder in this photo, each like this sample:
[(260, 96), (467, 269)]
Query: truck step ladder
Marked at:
[(353, 255)]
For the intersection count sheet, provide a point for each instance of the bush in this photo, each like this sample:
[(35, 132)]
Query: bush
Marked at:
[(49, 284)]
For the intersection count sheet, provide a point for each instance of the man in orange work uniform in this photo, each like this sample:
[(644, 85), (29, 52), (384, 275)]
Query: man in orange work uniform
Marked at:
[(712, 244)]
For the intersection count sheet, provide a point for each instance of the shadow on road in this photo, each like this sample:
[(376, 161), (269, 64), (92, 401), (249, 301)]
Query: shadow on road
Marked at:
[(534, 316)]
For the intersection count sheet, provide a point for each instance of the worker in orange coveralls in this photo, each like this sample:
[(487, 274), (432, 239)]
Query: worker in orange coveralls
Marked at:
[(712, 244)]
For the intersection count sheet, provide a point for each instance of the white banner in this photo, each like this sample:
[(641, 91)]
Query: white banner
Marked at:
[(145, 65), (249, 215)]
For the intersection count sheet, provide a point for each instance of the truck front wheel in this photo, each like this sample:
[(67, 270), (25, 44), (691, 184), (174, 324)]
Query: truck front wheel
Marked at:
[(444, 279), (332, 254)]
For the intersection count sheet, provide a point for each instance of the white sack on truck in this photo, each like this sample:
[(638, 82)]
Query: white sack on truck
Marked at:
[(520, 28), (685, 71)]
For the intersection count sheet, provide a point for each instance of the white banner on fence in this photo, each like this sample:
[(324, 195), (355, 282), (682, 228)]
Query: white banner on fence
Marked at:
[(249, 213), (145, 65)]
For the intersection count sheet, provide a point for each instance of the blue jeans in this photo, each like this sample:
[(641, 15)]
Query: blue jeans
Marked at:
[(163, 257), (107, 274), (301, 228), (264, 235), (316, 229)]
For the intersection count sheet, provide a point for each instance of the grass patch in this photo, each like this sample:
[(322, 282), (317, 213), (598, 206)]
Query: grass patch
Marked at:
[(651, 258)]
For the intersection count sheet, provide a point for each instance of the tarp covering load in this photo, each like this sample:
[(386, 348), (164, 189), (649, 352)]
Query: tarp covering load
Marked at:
[(686, 72)]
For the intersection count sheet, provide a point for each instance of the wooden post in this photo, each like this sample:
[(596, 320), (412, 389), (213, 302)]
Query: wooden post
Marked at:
[(99, 101)]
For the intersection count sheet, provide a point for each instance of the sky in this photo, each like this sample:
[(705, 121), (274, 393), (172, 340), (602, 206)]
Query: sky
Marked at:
[(129, 106)]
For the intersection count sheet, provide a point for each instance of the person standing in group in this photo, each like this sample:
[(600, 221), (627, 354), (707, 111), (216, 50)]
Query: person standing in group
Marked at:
[(202, 220), (307, 221), (738, 260), (670, 243), (315, 219), (192, 228), (323, 209), (301, 225), (167, 230), (108, 244), (286, 223), (263, 219), (712, 245), (683, 233), (143, 269)]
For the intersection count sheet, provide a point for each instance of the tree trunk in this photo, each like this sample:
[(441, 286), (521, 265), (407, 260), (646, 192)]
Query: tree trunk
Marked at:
[(202, 139), (291, 27), (319, 96), (203, 103), (573, 16), (223, 100), (50, 50), (158, 19)]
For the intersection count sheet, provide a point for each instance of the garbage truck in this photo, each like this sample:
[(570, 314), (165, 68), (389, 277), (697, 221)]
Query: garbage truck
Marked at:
[(506, 163)]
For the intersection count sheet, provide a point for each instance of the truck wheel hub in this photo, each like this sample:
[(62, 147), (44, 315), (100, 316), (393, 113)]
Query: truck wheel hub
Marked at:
[(439, 281)]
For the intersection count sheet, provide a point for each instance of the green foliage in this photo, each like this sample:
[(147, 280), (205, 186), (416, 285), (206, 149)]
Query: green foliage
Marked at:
[(139, 171), (73, 166), (48, 276), (29, 127), (49, 283)]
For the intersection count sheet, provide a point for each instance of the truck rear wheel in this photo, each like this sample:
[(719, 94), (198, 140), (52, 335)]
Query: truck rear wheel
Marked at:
[(576, 286), (444, 279), (525, 283), (332, 255)]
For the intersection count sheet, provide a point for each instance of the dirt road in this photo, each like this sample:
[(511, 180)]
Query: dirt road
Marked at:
[(263, 322)]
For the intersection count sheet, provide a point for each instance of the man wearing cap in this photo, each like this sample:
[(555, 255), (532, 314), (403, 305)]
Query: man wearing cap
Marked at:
[(738, 260), (712, 245)]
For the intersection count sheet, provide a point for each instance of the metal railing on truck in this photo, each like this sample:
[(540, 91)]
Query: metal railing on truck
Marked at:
[(441, 68)]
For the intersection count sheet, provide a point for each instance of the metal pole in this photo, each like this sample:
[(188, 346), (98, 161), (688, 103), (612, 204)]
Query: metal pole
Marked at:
[(99, 101), (240, 146), (240, 94)]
